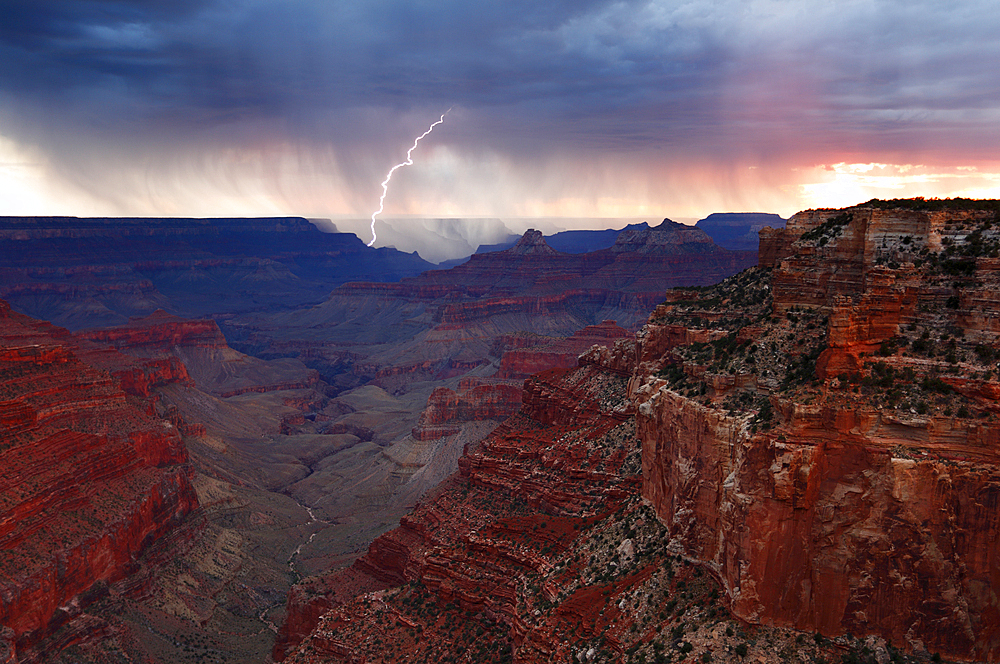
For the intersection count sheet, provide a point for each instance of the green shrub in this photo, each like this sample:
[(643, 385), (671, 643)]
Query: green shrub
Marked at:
[(935, 384), (958, 266)]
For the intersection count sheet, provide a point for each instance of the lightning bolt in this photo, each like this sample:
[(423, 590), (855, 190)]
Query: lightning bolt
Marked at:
[(408, 162)]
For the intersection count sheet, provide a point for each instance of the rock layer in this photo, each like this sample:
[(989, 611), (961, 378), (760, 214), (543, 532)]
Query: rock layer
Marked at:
[(827, 451), (90, 477), (853, 491)]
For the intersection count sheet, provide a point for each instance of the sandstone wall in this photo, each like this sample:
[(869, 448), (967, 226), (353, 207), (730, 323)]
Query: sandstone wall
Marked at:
[(90, 477), (823, 528), (848, 516)]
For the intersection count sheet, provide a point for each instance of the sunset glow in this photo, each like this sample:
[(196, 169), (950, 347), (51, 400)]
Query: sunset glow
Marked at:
[(598, 109)]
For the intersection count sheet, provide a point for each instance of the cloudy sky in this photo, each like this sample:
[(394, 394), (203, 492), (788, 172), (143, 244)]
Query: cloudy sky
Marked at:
[(575, 108)]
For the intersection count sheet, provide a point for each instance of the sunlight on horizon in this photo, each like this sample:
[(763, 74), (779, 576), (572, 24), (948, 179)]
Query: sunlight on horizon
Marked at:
[(30, 187)]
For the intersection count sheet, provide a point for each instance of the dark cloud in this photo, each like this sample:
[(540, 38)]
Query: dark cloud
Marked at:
[(650, 83), (271, 59)]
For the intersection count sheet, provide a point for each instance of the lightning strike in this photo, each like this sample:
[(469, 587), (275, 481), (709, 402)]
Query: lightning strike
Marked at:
[(408, 162)]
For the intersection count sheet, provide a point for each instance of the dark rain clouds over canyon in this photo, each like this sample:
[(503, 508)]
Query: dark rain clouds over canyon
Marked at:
[(561, 108)]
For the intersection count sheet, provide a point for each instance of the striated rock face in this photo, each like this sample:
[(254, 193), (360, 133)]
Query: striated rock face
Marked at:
[(472, 544), (174, 349), (90, 477), (686, 451), (159, 333), (475, 400), (558, 353), (858, 538), (85, 273), (844, 477)]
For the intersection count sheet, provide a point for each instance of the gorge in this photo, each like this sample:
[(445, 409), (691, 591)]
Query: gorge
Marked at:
[(795, 460)]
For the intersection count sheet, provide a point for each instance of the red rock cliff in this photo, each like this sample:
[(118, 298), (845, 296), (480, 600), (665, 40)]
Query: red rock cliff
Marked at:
[(460, 544), (89, 478), (159, 332), (848, 488)]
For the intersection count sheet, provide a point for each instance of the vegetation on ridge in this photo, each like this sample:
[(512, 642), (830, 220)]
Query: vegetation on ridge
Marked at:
[(933, 204)]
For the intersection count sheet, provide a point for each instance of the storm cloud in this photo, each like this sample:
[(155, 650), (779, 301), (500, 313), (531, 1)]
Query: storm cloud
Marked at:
[(300, 106)]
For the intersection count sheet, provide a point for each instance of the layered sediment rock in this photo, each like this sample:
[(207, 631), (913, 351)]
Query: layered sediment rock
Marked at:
[(828, 452), (464, 544), (499, 396), (84, 273), (90, 477), (174, 349), (475, 400), (558, 353), (848, 488), (159, 332)]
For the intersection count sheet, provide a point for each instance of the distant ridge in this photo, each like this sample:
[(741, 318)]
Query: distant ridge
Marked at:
[(569, 242), (91, 272), (738, 231)]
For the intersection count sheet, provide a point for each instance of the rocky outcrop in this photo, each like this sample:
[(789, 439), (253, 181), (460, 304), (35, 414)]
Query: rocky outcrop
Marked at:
[(558, 353), (531, 243), (846, 489), (90, 477), (313, 597), (498, 397), (142, 377), (159, 333), (475, 400), (775, 245), (461, 548), (167, 348), (563, 396)]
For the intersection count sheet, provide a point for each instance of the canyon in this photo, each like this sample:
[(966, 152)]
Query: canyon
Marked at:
[(809, 446), (285, 473), (443, 323), (792, 460)]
